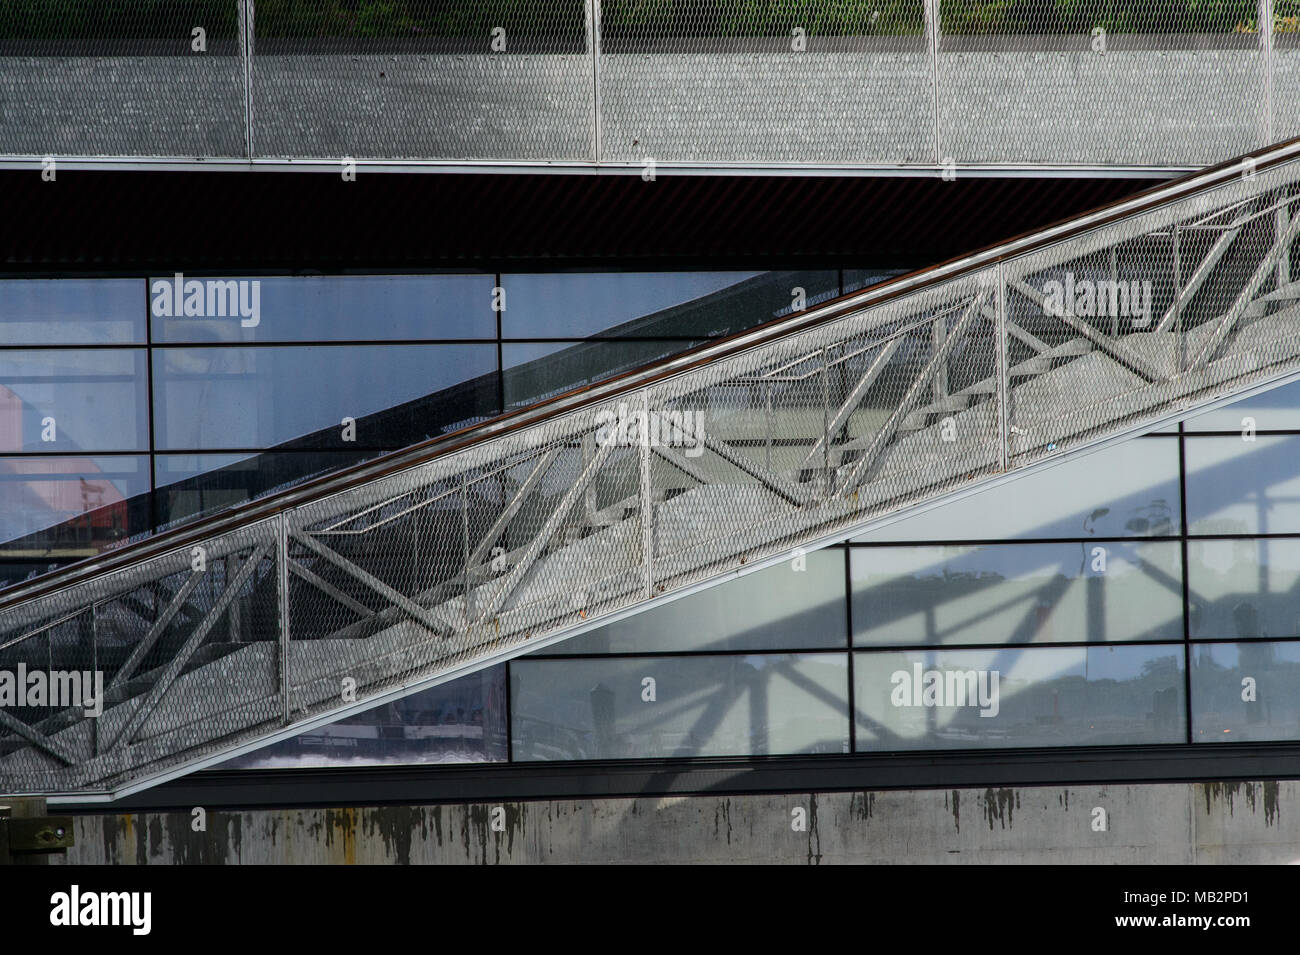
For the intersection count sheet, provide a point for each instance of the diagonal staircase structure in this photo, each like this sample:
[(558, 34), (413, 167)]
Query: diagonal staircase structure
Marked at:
[(416, 568)]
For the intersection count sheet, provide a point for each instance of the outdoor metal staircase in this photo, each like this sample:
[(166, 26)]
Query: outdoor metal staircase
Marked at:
[(456, 554)]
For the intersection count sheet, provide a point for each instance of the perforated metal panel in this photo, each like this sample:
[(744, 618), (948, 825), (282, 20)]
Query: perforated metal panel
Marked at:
[(445, 561)]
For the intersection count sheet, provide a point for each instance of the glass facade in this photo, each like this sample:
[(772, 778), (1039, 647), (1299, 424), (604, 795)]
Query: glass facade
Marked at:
[(1148, 593), (1094, 592), (1058, 696), (129, 404), (1093, 603), (667, 706)]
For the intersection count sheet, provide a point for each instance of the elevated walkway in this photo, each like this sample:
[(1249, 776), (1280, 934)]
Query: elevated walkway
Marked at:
[(695, 87), (258, 622)]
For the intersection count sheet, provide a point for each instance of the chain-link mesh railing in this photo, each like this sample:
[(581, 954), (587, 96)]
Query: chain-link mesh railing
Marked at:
[(1093, 83), (473, 79), (791, 82), (1098, 83), (453, 556), (138, 78)]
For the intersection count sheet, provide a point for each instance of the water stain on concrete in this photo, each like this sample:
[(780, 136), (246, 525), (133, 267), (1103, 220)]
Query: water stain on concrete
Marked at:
[(1257, 795), (721, 817), (397, 826), (1000, 806), (1272, 805), (341, 827), (862, 805), (814, 835)]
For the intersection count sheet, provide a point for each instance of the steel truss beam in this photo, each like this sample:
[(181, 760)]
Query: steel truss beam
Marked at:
[(606, 535)]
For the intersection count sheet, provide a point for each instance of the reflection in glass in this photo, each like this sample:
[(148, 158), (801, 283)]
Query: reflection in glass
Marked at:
[(855, 279), (1277, 409), (1244, 692), (463, 721), (246, 398), (72, 311), (16, 571), (641, 707), (192, 485), (347, 308), (1128, 490), (66, 508), (661, 304), (1243, 487), (1017, 593), (73, 400), (1239, 589), (787, 607), (541, 370), (1045, 696)]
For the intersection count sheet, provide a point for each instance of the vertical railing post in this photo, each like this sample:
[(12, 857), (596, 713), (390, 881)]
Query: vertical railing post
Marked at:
[(282, 599), (593, 51), (1281, 225), (1266, 57), (826, 427), (768, 424), (932, 40), (939, 338), (1003, 370), (245, 43), (1114, 278), (94, 667), (1180, 343), (647, 497)]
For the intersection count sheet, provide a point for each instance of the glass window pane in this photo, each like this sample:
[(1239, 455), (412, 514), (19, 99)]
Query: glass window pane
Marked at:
[(1128, 490), (1243, 487), (66, 508), (695, 706), (14, 572), (324, 308), (463, 721), (541, 370), (1045, 696), (662, 304), (252, 398), (1245, 692), (72, 311), (1017, 593), (1239, 589), (72, 400), (191, 485), (1275, 410), (780, 608)]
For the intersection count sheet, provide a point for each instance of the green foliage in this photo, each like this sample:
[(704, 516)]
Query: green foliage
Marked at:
[(1113, 16), (116, 19), (748, 18), (417, 18)]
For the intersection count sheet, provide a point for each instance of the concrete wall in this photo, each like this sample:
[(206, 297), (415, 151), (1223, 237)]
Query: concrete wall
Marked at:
[(1256, 822)]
